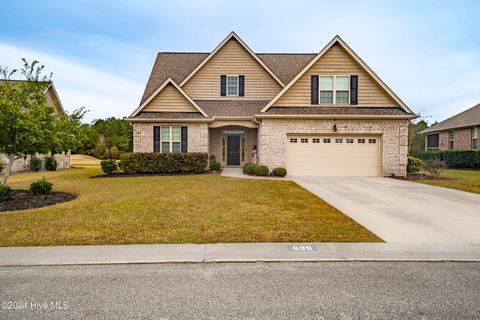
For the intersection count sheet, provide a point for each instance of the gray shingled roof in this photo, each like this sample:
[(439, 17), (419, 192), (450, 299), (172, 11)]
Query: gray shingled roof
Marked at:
[(169, 115), (467, 118), (336, 111), (231, 108), (179, 65)]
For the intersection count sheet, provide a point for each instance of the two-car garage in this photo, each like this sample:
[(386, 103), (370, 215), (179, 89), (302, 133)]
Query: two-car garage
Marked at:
[(334, 155)]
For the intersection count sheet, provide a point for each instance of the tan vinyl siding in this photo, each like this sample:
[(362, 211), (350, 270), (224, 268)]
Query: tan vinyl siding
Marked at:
[(232, 59), (336, 62), (169, 100)]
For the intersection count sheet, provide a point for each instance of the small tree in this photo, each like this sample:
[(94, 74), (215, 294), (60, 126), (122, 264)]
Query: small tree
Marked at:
[(29, 125)]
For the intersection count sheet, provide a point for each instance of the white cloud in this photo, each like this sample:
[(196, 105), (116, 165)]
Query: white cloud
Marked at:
[(104, 94)]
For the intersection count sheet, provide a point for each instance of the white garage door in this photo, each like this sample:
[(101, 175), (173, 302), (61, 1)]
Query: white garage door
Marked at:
[(333, 155)]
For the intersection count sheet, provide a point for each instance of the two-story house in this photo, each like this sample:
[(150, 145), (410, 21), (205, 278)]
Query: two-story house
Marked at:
[(321, 114)]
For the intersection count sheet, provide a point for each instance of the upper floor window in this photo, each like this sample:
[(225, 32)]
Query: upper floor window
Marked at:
[(334, 89), (232, 85), (475, 138)]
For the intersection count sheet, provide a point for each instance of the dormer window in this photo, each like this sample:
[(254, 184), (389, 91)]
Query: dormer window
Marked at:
[(232, 85), (334, 89)]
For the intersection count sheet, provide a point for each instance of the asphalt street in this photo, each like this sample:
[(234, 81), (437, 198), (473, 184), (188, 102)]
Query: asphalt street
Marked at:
[(322, 290)]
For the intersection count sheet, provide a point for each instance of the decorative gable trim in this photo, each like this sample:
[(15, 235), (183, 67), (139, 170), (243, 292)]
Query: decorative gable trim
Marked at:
[(367, 69), (164, 84), (243, 44), (56, 98)]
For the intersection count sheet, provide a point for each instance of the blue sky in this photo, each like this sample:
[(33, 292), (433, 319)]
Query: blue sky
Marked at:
[(101, 52)]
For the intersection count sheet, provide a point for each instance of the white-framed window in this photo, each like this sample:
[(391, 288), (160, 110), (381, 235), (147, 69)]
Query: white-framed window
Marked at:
[(475, 138), (171, 138), (361, 140), (372, 140), (232, 85), (316, 140), (293, 140), (304, 140), (451, 139), (334, 89), (338, 140), (326, 140), (349, 140)]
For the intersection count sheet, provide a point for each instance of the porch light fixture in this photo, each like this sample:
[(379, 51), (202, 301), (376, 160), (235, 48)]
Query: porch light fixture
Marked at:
[(335, 125)]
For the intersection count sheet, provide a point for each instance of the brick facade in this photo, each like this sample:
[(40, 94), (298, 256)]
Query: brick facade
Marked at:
[(462, 139), (143, 136), (273, 137)]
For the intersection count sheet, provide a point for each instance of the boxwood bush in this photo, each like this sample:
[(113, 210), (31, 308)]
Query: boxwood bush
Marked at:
[(262, 171), (5, 191), (109, 166), (34, 164), (413, 164), (163, 162), (41, 186), (249, 168), (454, 158), (279, 172), (215, 166)]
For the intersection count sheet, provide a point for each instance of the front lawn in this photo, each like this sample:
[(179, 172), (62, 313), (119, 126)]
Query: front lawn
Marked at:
[(175, 209), (465, 180)]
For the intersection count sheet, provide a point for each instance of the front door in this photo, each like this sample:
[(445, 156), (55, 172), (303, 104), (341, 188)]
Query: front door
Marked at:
[(233, 150)]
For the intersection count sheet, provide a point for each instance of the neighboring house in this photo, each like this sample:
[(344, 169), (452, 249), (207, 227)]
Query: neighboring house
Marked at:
[(459, 132), (63, 159), (319, 114)]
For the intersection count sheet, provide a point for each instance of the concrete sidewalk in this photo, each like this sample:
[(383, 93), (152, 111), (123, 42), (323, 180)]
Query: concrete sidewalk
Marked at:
[(236, 252)]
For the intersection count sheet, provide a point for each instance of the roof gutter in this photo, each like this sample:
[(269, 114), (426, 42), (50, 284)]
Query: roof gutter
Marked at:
[(332, 116), (206, 120)]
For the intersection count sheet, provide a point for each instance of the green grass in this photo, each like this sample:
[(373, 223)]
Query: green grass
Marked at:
[(465, 180), (175, 209)]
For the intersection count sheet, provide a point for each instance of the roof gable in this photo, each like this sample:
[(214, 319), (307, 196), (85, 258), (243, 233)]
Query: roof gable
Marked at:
[(353, 55), (231, 36), (171, 88)]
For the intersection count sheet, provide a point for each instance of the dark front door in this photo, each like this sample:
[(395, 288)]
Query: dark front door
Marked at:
[(233, 150)]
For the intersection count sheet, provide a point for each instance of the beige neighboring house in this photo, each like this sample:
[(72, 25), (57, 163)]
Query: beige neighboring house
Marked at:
[(323, 113), (459, 132), (63, 159)]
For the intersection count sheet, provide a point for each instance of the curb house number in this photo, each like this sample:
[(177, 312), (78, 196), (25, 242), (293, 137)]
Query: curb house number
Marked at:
[(302, 248)]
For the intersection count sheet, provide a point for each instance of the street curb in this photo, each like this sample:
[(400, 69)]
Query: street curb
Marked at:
[(237, 253)]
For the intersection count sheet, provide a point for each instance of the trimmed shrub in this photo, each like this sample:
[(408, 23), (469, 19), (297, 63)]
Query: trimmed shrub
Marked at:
[(114, 153), (163, 162), (249, 168), (34, 164), (433, 167), (279, 172), (413, 164), (41, 186), (5, 191), (109, 166), (50, 163), (215, 166), (454, 158), (262, 171), (100, 151)]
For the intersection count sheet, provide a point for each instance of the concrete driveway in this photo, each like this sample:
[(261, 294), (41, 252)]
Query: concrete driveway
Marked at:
[(402, 211)]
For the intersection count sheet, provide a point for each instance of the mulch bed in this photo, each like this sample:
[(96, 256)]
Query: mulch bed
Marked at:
[(421, 177), (128, 175), (24, 199)]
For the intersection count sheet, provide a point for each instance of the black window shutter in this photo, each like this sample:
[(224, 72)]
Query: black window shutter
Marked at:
[(156, 139), (353, 89), (184, 139), (223, 85), (241, 86), (314, 90)]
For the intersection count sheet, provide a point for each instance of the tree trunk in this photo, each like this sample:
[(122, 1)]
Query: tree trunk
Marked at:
[(8, 169)]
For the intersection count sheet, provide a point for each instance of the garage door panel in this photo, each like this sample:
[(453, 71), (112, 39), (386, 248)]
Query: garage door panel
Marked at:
[(333, 159)]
